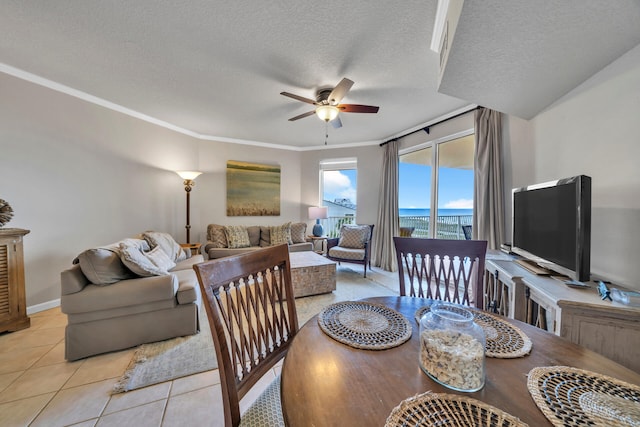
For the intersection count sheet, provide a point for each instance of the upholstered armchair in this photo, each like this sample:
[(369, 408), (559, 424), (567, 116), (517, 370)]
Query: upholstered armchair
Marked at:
[(353, 245)]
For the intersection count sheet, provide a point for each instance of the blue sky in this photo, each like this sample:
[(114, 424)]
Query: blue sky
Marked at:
[(456, 187)]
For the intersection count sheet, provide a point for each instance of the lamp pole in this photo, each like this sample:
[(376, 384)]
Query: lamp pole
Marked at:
[(188, 184), (189, 181)]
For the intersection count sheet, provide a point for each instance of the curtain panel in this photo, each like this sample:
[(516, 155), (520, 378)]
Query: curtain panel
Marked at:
[(488, 199), (383, 255)]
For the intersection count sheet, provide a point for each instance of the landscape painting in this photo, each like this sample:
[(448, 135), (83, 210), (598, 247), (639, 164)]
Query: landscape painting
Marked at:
[(252, 189)]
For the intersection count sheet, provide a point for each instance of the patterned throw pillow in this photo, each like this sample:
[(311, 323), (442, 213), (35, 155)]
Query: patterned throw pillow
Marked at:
[(217, 236), (299, 232), (281, 234), (354, 236), (237, 236)]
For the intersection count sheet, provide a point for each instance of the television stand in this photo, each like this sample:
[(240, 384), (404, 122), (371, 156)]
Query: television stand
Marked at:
[(533, 267)]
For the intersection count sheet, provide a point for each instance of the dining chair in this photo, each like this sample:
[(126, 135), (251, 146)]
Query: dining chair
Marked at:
[(251, 309), (448, 270), (353, 245)]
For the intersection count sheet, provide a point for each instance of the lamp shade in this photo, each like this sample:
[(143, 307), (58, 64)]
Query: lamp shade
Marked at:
[(190, 175), (327, 112), (318, 212)]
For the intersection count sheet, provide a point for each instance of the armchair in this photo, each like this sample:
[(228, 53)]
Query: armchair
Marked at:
[(353, 245)]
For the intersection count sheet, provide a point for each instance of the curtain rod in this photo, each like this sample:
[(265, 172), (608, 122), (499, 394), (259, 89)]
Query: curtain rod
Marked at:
[(426, 128)]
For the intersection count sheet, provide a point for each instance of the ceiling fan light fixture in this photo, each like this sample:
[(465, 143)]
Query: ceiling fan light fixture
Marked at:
[(327, 112)]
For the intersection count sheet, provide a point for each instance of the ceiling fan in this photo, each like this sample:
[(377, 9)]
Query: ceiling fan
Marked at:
[(328, 104)]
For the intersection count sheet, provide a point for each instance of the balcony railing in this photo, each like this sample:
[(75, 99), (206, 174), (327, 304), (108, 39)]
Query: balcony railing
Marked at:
[(448, 227)]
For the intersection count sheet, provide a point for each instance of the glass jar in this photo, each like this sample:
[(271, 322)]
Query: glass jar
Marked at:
[(452, 347)]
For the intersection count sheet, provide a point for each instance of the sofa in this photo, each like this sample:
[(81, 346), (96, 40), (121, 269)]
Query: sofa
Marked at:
[(223, 241), (134, 291)]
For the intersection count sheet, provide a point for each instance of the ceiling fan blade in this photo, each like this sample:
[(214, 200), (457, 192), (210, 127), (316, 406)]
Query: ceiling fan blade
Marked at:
[(336, 123), (299, 98), (356, 108), (339, 91), (302, 116)]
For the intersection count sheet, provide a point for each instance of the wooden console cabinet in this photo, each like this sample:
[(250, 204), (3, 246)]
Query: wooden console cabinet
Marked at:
[(13, 306), (580, 315)]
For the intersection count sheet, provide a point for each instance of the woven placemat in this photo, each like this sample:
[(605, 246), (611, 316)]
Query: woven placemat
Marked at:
[(504, 340), (575, 397), (364, 325), (441, 409)]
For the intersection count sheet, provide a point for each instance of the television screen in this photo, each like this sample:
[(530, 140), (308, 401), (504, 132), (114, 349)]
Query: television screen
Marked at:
[(552, 225)]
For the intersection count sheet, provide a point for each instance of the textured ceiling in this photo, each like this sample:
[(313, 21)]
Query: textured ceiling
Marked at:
[(215, 69)]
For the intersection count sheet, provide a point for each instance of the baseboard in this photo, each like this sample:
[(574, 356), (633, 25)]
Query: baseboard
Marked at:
[(42, 307)]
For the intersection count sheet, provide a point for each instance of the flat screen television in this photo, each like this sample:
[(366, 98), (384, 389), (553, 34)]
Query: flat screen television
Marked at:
[(552, 225)]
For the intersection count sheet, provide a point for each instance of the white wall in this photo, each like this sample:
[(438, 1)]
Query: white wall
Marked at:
[(592, 131), (78, 175)]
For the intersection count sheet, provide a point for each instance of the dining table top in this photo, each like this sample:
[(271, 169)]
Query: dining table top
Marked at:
[(327, 383)]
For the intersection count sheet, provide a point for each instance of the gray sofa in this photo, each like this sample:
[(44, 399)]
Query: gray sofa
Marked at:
[(259, 236), (110, 307)]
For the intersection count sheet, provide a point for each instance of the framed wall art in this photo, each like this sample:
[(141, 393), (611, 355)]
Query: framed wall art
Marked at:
[(253, 189)]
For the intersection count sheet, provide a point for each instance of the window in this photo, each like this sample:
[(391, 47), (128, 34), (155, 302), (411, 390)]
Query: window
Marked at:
[(338, 181), (440, 195)]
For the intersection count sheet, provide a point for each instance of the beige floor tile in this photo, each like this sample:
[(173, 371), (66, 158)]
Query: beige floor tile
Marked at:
[(55, 311), (256, 390), (88, 423), (149, 415), (21, 412), (101, 367), (33, 338), (53, 356), (202, 408), (75, 405), (47, 322), (21, 359), (37, 381), (195, 382), (139, 397), (7, 379)]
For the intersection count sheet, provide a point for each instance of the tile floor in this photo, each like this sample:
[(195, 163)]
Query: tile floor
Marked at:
[(39, 388)]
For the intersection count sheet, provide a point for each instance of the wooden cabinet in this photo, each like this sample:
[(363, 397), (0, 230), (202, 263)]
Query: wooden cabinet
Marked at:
[(13, 306), (580, 315)]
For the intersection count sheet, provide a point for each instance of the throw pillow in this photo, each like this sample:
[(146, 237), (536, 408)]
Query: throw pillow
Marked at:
[(354, 236), (237, 236), (254, 235), (167, 243), (299, 232), (281, 234), (265, 236), (102, 266), (216, 235), (139, 263)]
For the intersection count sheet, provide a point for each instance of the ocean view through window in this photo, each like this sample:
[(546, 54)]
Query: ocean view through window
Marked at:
[(436, 202)]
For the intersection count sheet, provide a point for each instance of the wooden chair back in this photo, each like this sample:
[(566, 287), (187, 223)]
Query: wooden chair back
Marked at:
[(251, 309), (448, 270)]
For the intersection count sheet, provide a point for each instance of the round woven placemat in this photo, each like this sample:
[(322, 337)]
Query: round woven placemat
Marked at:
[(504, 341), (441, 409), (574, 397), (364, 325)]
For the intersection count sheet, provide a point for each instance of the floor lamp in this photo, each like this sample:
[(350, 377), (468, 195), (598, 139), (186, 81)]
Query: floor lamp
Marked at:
[(189, 177)]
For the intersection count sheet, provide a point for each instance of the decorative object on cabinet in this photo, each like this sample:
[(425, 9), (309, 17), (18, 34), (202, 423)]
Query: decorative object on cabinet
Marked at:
[(13, 306), (6, 213), (189, 177), (253, 189)]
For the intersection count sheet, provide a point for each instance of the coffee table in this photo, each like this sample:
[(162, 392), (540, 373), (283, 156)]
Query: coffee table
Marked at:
[(311, 274)]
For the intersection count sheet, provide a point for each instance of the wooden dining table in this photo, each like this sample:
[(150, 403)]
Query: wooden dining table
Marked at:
[(327, 383)]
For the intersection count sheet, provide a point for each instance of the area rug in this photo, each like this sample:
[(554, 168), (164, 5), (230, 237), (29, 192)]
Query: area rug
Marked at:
[(170, 359), (183, 356)]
